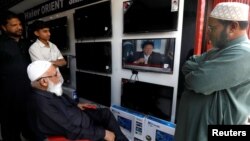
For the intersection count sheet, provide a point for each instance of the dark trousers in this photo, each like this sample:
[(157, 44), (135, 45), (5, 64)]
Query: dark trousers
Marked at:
[(13, 111), (103, 117)]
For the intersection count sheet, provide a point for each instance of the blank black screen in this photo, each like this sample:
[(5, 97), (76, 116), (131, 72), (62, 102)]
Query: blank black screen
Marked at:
[(59, 33), (93, 21), (148, 98), (94, 56), (96, 88), (149, 15)]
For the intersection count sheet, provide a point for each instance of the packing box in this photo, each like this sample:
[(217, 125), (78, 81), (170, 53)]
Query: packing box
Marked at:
[(131, 122), (158, 130)]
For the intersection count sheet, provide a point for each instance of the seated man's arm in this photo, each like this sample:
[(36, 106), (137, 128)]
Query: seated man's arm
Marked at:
[(109, 136), (84, 106), (56, 121)]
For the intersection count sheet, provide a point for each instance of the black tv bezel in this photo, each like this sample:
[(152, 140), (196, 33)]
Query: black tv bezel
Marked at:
[(150, 30), (143, 68), (104, 102), (64, 19), (169, 96), (82, 36), (107, 71)]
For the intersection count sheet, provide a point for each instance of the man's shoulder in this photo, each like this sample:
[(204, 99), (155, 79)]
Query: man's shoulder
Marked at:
[(34, 46), (4, 38), (41, 93)]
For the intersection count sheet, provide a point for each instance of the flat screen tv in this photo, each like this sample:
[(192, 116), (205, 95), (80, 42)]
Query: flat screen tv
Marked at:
[(94, 56), (93, 21), (59, 33), (147, 98), (155, 55), (150, 16), (96, 88)]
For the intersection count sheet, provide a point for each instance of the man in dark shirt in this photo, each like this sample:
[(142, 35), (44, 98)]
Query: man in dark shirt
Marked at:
[(15, 85), (56, 114)]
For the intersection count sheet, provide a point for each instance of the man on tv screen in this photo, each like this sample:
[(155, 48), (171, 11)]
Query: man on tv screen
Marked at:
[(147, 56)]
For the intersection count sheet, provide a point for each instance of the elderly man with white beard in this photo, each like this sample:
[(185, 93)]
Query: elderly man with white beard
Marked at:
[(54, 113)]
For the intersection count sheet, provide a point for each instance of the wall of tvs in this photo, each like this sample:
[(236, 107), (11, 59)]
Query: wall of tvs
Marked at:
[(106, 34)]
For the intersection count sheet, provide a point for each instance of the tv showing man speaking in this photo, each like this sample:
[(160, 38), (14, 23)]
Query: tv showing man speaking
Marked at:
[(155, 55)]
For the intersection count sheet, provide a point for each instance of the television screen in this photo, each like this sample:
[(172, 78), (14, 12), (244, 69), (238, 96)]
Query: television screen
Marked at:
[(148, 98), (96, 88), (94, 56), (150, 15), (156, 55), (59, 33), (93, 21)]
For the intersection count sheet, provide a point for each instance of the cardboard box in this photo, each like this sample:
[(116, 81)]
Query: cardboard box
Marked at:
[(131, 122), (158, 130)]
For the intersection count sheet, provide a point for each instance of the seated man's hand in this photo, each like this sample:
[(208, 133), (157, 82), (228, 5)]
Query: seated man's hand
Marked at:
[(84, 106), (109, 136)]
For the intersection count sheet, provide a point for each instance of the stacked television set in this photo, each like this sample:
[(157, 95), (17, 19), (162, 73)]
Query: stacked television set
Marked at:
[(59, 33), (96, 88), (93, 21), (150, 16), (148, 98), (94, 56), (162, 55)]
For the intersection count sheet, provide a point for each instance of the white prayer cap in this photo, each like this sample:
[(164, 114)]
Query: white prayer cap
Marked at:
[(231, 11), (37, 68)]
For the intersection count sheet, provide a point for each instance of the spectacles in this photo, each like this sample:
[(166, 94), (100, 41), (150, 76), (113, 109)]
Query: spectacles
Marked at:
[(50, 76)]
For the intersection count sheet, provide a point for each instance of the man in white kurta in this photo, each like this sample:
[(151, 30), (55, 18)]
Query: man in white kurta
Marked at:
[(39, 51), (217, 83), (43, 49)]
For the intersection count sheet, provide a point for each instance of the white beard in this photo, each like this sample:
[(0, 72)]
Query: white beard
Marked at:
[(55, 88)]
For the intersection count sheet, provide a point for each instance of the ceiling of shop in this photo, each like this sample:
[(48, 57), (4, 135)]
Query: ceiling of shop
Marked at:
[(6, 4), (19, 6)]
